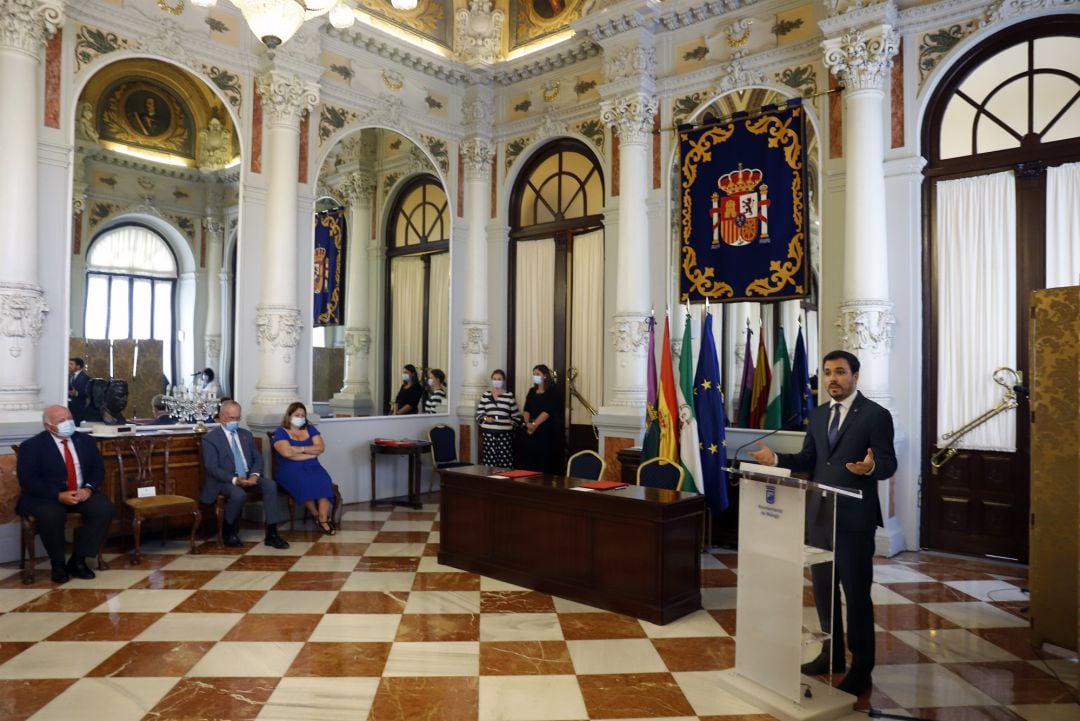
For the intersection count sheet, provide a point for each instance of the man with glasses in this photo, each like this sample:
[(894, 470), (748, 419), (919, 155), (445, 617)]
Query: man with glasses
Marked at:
[(234, 467)]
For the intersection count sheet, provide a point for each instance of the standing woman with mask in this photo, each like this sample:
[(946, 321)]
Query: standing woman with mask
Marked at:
[(408, 397), (498, 415), (435, 398), (543, 414), (298, 445), (207, 384)]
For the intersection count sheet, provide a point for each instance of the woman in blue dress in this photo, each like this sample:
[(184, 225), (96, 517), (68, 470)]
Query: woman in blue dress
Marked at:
[(298, 446)]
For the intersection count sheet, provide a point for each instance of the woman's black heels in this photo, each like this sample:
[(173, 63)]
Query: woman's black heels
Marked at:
[(326, 527)]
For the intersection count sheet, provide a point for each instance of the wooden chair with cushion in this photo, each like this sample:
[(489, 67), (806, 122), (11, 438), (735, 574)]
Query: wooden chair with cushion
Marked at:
[(335, 513), (444, 450), (586, 464), (9, 483), (660, 473), (144, 464)]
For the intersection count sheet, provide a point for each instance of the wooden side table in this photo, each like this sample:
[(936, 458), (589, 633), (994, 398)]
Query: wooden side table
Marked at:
[(413, 452)]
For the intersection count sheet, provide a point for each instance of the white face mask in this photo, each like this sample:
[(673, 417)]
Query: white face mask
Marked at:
[(65, 429), (431, 382), (496, 384), (537, 380), (298, 421), (405, 377)]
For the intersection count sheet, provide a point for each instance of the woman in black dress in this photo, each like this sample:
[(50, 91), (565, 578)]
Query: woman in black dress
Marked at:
[(543, 413), (408, 397)]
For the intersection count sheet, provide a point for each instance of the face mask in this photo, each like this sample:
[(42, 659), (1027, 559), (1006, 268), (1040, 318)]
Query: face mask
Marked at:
[(65, 429), (405, 377), (297, 422), (537, 380), (430, 382), (496, 384), (232, 425)]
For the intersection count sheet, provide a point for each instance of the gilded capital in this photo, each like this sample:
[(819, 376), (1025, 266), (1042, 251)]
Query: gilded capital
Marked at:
[(358, 189), (477, 154), (861, 58)]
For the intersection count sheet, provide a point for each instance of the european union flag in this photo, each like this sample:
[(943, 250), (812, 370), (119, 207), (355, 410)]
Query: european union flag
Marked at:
[(801, 399), (712, 421), (328, 280)]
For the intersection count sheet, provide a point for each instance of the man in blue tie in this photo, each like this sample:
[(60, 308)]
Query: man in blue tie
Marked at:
[(849, 442), (233, 466)]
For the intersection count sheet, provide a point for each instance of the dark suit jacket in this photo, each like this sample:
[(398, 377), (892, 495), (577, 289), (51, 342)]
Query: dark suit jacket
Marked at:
[(43, 473), (868, 425), (79, 383), (218, 463)]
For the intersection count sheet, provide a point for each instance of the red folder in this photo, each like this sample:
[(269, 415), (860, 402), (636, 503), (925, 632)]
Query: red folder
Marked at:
[(603, 485), (518, 473)]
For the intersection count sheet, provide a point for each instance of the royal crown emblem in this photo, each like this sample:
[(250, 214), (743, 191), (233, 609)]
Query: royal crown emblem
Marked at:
[(743, 210), (322, 271)]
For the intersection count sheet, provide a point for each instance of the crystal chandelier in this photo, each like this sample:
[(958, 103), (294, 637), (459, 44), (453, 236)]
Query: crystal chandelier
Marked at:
[(275, 21)]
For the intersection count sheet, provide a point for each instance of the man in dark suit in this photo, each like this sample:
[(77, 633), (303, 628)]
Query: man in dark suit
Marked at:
[(848, 443), (60, 471), (233, 466), (78, 395)]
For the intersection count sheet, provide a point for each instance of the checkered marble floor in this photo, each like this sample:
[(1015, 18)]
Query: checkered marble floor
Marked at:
[(367, 625)]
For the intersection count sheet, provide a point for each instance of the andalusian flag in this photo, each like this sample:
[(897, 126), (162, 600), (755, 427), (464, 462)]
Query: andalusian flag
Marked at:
[(759, 398), (688, 428), (779, 388), (666, 408)]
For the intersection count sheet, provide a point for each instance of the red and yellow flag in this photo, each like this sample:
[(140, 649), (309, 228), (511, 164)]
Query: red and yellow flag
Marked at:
[(666, 403), (759, 401)]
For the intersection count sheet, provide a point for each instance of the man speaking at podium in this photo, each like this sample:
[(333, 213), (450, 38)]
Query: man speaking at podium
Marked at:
[(849, 442)]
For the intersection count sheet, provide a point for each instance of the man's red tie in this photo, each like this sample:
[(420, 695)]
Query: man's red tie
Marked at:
[(73, 482)]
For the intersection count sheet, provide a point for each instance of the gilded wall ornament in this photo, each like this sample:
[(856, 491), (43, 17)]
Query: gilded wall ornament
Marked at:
[(175, 9), (147, 115)]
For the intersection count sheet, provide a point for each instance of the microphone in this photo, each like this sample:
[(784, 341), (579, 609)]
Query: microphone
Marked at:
[(763, 436)]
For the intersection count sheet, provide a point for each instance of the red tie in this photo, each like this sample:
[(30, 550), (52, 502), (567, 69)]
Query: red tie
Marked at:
[(73, 483)]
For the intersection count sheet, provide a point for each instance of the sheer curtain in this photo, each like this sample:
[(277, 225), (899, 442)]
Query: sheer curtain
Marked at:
[(534, 321), (407, 324), (1063, 226), (439, 311), (976, 308), (587, 323)]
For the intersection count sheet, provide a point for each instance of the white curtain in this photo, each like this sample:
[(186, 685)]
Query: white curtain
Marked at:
[(976, 310), (134, 250), (407, 324), (439, 311), (534, 321), (1063, 226), (587, 323)]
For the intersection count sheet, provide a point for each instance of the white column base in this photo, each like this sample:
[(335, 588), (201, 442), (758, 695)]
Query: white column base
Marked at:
[(621, 422), (349, 403), (889, 541)]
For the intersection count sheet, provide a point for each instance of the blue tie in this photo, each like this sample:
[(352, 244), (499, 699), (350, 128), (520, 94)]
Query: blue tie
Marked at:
[(834, 425), (238, 455)]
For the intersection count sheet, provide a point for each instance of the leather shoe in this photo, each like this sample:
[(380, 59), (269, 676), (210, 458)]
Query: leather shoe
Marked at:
[(856, 684), (232, 540), (820, 666), (77, 567), (59, 573), (275, 541)]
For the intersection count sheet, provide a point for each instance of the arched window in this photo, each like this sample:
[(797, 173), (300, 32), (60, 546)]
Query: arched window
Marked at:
[(130, 286), (556, 314), (418, 280), (1002, 139)]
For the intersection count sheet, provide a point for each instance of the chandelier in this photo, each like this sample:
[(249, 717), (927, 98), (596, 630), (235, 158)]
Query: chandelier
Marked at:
[(275, 21)]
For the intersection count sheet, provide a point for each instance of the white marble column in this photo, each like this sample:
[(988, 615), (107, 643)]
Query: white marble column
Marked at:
[(285, 97), (354, 398), (24, 27), (478, 153), (632, 117), (861, 59), (213, 228)]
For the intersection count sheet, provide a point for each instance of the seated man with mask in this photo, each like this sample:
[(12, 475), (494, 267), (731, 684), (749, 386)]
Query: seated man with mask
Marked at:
[(60, 471), (233, 466)]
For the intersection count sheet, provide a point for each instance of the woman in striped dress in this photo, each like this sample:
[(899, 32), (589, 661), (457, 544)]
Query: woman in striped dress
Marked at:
[(498, 415), (435, 398)]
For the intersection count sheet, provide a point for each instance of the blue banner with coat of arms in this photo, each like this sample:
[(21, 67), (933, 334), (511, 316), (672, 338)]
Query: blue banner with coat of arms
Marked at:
[(744, 222), (328, 282)]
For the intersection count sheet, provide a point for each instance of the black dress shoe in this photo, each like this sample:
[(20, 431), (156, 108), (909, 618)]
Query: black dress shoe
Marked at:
[(820, 666), (232, 540), (59, 573), (275, 541), (77, 567), (856, 683)]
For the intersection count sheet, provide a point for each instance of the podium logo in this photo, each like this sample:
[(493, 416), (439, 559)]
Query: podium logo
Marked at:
[(770, 494)]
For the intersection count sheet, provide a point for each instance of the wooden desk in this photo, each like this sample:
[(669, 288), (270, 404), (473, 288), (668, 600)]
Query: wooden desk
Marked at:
[(633, 551), (413, 452)]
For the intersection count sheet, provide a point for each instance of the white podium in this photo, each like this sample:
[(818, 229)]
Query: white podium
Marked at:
[(769, 608)]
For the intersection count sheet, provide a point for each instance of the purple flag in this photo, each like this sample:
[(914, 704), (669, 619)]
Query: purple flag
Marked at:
[(746, 390)]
